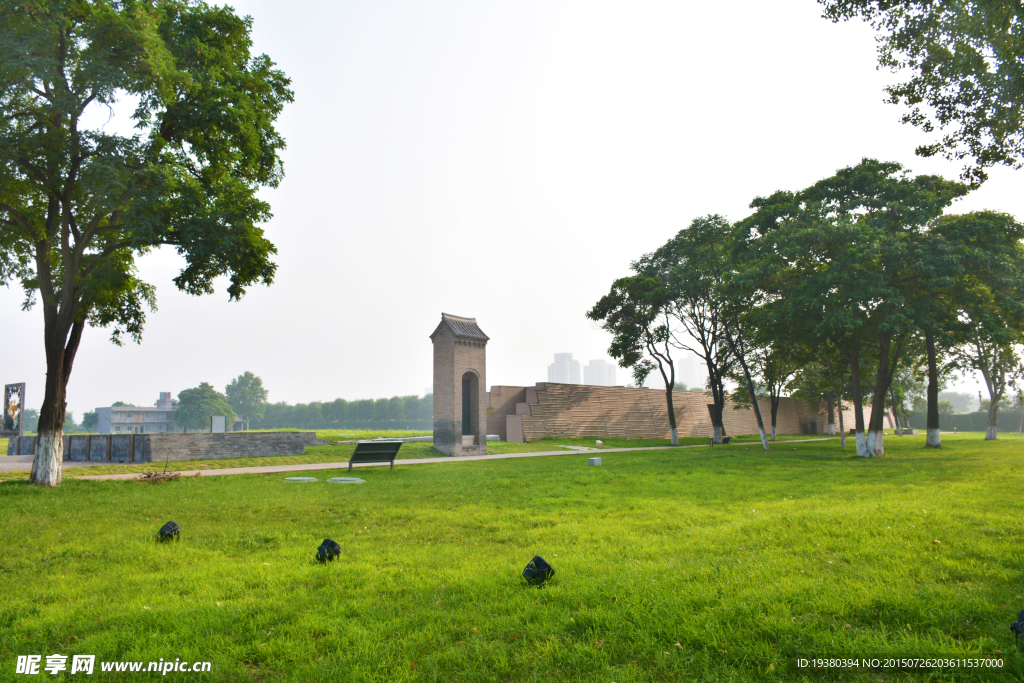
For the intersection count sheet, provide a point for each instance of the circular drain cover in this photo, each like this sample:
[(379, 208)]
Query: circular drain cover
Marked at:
[(300, 479), (347, 480)]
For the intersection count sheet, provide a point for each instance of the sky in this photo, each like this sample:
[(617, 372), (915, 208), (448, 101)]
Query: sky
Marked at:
[(503, 161)]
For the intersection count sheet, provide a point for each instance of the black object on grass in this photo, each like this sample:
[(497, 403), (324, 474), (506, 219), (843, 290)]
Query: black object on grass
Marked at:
[(327, 551), (1018, 626), (169, 531), (538, 571)]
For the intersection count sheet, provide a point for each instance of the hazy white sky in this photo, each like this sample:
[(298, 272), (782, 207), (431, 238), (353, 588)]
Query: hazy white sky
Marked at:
[(499, 160)]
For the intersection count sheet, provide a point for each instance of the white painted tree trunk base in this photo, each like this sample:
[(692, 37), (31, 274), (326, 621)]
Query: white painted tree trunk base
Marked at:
[(877, 444), (773, 432), (831, 429), (675, 436), (862, 446), (718, 435), (764, 440), (933, 439), (49, 455), (991, 433)]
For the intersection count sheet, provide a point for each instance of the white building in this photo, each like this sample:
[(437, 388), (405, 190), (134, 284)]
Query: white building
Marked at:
[(599, 373), (155, 419), (565, 370), (691, 370)]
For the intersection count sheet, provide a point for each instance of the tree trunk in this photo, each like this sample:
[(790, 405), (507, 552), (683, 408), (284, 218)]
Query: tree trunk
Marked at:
[(672, 414), (842, 428), (718, 396), (895, 417), (993, 421), (883, 378), (670, 383), (995, 382), (830, 403), (775, 413), (837, 388), (934, 437), (60, 354), (858, 400), (741, 357)]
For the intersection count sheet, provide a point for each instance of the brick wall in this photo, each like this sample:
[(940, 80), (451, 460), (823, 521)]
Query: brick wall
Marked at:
[(572, 410)]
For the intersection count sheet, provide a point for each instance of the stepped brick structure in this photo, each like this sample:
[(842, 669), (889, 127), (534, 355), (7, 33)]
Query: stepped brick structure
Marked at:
[(522, 414), (460, 406)]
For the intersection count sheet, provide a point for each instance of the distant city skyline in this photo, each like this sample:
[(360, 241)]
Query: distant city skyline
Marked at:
[(565, 369)]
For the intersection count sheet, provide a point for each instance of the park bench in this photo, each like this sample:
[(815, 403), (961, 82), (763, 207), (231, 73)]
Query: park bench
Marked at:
[(375, 451)]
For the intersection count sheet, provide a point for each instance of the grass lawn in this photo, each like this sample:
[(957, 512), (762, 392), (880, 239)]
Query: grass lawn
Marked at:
[(745, 560)]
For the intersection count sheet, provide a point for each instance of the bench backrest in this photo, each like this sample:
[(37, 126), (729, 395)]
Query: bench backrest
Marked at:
[(375, 451)]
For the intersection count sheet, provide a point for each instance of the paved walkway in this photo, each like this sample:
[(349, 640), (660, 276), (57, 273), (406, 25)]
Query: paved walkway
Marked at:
[(274, 469)]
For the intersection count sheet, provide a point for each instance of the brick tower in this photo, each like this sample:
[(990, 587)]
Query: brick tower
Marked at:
[(460, 378)]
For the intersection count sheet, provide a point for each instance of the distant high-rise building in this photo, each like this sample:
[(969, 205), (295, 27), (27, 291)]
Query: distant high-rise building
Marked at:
[(599, 373), (565, 370), (692, 371)]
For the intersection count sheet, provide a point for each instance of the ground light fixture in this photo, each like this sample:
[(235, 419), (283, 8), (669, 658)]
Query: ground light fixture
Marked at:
[(538, 571), (1018, 626), (169, 531), (327, 551)]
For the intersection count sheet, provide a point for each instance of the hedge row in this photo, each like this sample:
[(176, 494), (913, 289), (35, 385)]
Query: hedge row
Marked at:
[(1009, 421)]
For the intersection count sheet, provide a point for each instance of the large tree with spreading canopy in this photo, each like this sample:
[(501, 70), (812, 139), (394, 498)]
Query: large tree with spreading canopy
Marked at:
[(78, 206)]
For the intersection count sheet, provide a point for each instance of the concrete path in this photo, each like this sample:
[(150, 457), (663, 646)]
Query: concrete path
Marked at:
[(275, 469)]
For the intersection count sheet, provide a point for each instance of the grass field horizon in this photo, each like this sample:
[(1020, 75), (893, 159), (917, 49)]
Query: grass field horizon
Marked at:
[(747, 560)]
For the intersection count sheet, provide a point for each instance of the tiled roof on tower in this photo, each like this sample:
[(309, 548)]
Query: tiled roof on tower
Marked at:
[(464, 328)]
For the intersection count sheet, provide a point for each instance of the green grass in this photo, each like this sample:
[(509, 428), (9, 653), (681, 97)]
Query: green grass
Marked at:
[(746, 560)]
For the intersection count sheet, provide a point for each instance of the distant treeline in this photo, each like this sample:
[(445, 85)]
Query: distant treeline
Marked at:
[(397, 412), (1009, 421)]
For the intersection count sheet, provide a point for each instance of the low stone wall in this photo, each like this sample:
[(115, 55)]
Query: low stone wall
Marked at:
[(237, 445), (161, 447)]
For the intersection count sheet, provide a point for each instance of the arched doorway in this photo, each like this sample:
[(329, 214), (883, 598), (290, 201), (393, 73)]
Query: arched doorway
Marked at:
[(470, 404)]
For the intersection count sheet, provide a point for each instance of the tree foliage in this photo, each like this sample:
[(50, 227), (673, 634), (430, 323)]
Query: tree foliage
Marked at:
[(247, 396), (836, 260), (692, 265), (966, 64), (196, 407), (636, 313)]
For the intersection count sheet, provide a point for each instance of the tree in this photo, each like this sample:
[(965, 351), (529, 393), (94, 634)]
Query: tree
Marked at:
[(961, 402), (812, 383), (78, 206), (835, 260), (966, 64), (361, 410), (772, 368), (247, 397), (907, 386), (122, 404), (691, 267), (635, 312), (990, 300), (31, 419), (336, 410), (196, 407), (89, 421)]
